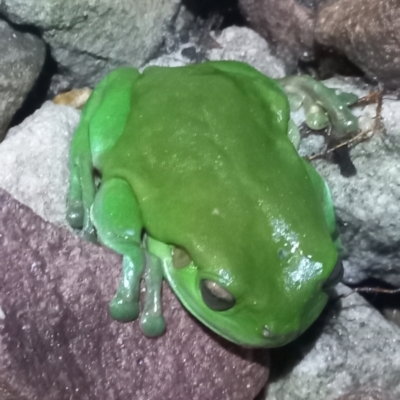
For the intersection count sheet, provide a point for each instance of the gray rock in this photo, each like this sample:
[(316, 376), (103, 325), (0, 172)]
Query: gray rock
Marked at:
[(368, 394), (355, 348), (88, 39), (34, 160), (22, 58), (243, 44), (57, 340)]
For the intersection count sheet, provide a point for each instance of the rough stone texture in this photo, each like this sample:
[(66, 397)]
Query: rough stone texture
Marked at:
[(57, 340), (371, 394), (286, 24), (367, 32), (350, 349), (89, 38), (22, 58), (34, 160), (233, 43), (243, 44)]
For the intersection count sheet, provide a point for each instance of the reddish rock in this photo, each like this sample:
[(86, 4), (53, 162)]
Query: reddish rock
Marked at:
[(57, 340), (367, 32), (286, 24)]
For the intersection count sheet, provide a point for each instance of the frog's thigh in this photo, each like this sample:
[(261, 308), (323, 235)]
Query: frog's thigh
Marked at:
[(116, 216)]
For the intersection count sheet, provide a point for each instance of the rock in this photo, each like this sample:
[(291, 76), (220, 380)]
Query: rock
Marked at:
[(37, 174), (367, 32), (367, 204), (22, 58), (243, 44), (233, 43), (286, 24), (87, 40), (369, 394), (57, 340), (352, 347)]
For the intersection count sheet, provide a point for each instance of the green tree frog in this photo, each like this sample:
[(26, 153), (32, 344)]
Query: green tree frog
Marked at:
[(201, 185)]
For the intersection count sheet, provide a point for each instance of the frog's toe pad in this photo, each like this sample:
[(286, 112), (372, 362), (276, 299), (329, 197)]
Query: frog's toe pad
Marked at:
[(317, 119), (123, 310), (75, 214), (152, 325)]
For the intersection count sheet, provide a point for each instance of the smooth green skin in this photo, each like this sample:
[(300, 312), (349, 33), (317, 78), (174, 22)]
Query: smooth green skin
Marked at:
[(199, 157)]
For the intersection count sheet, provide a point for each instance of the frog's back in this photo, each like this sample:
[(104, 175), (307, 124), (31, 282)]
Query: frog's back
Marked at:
[(207, 155)]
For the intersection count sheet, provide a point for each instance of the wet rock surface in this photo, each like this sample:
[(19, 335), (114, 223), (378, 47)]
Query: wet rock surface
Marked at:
[(57, 340)]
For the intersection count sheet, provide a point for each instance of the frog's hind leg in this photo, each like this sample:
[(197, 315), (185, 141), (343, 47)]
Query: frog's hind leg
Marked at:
[(118, 221), (102, 122)]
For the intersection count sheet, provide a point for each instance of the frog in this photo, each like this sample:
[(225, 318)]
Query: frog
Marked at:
[(192, 175)]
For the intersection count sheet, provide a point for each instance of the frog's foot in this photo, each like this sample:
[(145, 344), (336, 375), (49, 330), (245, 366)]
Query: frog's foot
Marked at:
[(117, 218), (152, 321), (81, 196), (75, 214), (125, 306), (76, 219), (323, 106)]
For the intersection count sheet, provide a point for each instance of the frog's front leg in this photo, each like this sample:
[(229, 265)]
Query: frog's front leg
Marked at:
[(82, 187), (116, 216), (322, 105)]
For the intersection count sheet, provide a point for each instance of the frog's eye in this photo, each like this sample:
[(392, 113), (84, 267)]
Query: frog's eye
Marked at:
[(335, 277), (215, 296), (180, 258)]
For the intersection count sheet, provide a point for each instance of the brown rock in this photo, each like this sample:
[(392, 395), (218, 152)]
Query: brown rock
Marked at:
[(286, 24), (367, 32), (58, 342)]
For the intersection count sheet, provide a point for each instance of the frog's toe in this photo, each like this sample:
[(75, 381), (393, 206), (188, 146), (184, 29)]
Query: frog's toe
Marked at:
[(152, 325), (75, 214), (123, 310), (295, 101), (316, 118)]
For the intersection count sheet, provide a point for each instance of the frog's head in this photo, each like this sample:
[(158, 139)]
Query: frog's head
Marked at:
[(265, 301)]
